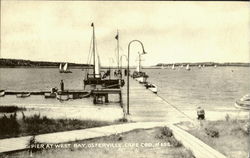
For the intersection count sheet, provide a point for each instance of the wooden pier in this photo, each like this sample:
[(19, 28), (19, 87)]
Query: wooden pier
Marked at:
[(42, 92), (148, 106), (99, 94)]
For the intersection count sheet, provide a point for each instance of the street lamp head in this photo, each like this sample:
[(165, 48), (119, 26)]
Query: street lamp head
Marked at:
[(144, 52)]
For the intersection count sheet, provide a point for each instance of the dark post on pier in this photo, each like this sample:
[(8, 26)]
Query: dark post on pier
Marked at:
[(62, 85)]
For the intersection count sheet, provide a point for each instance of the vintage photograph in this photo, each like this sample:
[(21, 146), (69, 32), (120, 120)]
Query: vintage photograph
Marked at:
[(115, 79)]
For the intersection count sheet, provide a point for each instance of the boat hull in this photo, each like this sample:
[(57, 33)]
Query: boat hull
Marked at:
[(62, 97), (141, 79), (49, 95), (23, 95), (154, 90), (242, 105), (62, 71), (2, 93), (152, 87), (79, 96)]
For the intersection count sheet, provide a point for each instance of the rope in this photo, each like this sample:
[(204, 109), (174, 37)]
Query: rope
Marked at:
[(89, 55), (175, 108)]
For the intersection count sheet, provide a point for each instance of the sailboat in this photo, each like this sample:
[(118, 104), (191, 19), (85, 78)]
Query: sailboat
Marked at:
[(188, 68), (64, 69), (139, 75), (173, 67), (95, 80), (199, 66)]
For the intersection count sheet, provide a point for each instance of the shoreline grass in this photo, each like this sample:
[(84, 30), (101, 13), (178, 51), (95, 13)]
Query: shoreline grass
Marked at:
[(11, 109), (34, 125), (227, 136)]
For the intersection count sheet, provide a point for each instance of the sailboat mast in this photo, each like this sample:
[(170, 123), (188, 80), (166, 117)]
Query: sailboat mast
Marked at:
[(93, 48)]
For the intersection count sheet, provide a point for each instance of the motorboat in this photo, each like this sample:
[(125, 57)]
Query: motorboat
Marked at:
[(244, 102)]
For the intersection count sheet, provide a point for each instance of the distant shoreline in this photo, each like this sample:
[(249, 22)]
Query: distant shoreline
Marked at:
[(20, 63), (208, 64), (44, 67)]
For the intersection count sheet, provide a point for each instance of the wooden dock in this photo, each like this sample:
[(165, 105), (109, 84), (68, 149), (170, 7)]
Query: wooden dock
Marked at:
[(148, 106), (42, 92), (14, 92), (105, 91), (99, 94)]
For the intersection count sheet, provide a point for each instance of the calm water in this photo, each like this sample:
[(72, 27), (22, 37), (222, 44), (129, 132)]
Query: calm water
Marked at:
[(45, 79), (210, 87)]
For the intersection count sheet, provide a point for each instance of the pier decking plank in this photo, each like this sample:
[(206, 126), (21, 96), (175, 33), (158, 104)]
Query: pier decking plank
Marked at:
[(147, 106)]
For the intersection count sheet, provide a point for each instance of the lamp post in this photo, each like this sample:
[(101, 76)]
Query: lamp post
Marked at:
[(143, 51)]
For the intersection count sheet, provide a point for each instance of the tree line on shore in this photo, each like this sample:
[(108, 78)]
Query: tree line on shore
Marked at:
[(207, 64), (29, 63)]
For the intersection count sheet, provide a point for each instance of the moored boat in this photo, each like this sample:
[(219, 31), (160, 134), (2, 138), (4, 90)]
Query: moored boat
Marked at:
[(139, 75), (151, 87), (244, 102), (95, 79), (23, 95), (62, 96), (2, 93), (80, 95), (49, 95)]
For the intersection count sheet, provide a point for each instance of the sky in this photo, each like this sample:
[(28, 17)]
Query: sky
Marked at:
[(170, 31)]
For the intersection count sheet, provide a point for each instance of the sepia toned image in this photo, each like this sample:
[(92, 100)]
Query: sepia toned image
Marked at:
[(115, 79)]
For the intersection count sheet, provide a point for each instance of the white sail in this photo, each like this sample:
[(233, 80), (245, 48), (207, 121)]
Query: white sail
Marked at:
[(138, 67), (65, 67), (173, 66), (199, 66), (60, 67), (187, 68), (97, 66)]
